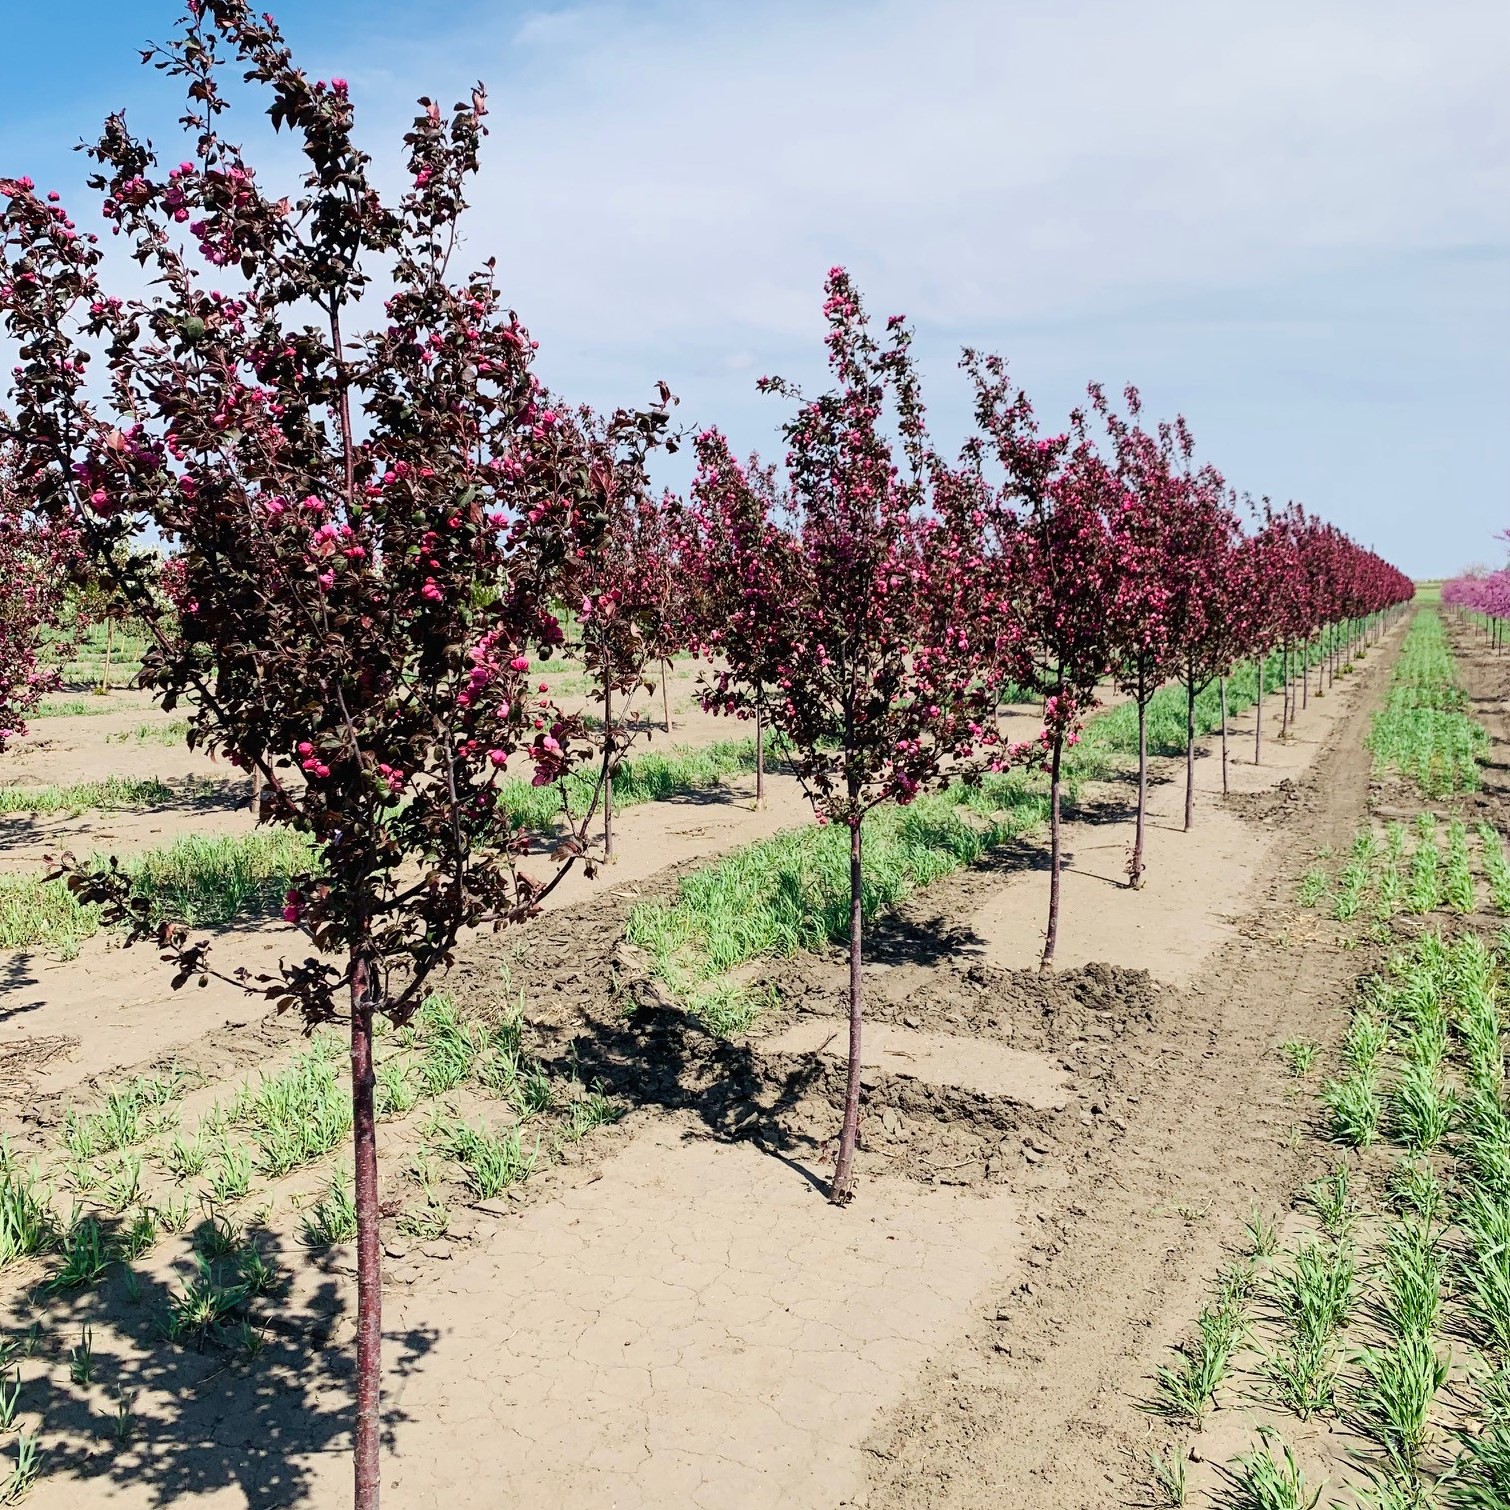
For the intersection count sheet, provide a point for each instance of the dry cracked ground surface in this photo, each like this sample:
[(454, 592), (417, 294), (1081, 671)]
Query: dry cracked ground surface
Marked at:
[(676, 1317)]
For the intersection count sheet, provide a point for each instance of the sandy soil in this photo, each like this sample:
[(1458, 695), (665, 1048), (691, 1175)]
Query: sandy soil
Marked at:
[(1049, 1167)]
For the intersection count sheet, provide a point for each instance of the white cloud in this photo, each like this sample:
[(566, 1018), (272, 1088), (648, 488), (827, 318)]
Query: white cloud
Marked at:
[(662, 172)]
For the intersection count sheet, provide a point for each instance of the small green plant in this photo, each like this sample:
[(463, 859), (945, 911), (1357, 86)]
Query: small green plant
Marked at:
[(1354, 1106), (1392, 1404), (591, 1110), (1261, 1481), (1187, 1390), (81, 1358), (1168, 1470), (1411, 1300), (186, 1158), (1313, 1296), (18, 1484), (1483, 1270), (425, 1222), (85, 1256), (1420, 1107), (231, 1178), (173, 1215), (257, 1275), (1300, 1055), (125, 1416), (10, 1399), (1458, 880), (1313, 886), (26, 1221), (1263, 1236), (1332, 1201), (1492, 849), (138, 1235), (1424, 892), (333, 1218), (1353, 881), (1481, 1477), (200, 1306), (490, 1162), (533, 1093), (1367, 1039), (217, 1236), (396, 1092), (1416, 1190), (298, 1115), (124, 1187), (451, 1046)]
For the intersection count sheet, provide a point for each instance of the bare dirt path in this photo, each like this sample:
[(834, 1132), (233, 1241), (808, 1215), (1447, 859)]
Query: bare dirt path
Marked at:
[(1039, 1405)]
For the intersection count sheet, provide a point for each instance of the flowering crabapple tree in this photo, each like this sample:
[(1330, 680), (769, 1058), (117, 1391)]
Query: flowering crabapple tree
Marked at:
[(1203, 533), (876, 682), (736, 564), (35, 557), (367, 528), (1234, 623), (1140, 522), (617, 579), (1053, 571)]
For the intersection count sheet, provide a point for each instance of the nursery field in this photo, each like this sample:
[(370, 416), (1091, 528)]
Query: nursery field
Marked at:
[(1211, 1214)]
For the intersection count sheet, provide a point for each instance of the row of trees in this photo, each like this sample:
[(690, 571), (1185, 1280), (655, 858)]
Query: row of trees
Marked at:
[(1484, 593), (378, 534)]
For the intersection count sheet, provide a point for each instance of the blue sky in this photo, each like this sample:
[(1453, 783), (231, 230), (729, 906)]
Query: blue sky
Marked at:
[(1292, 222)]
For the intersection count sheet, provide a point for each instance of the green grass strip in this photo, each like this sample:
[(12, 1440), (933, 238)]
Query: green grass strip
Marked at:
[(113, 793), (1424, 732), (791, 892), (153, 731), (651, 777), (203, 881)]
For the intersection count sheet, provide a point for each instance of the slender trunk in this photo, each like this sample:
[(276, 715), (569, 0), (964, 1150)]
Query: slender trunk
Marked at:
[(1285, 677), (1135, 866), (666, 691), (607, 758), (1305, 675), (1189, 751), (1258, 717), (1051, 934), (1224, 736), (760, 748), (843, 1187), (254, 804), (369, 1255), (109, 646)]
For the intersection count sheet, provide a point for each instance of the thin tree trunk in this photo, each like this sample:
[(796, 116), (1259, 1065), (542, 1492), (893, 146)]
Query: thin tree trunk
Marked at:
[(369, 1255), (1224, 736), (1286, 676), (666, 691), (1305, 676), (607, 757), (109, 646), (1135, 866), (254, 804), (760, 748), (1189, 751), (844, 1166), (1051, 934), (1258, 719)]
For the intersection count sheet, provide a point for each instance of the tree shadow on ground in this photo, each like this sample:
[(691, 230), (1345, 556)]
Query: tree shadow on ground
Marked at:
[(229, 1407)]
